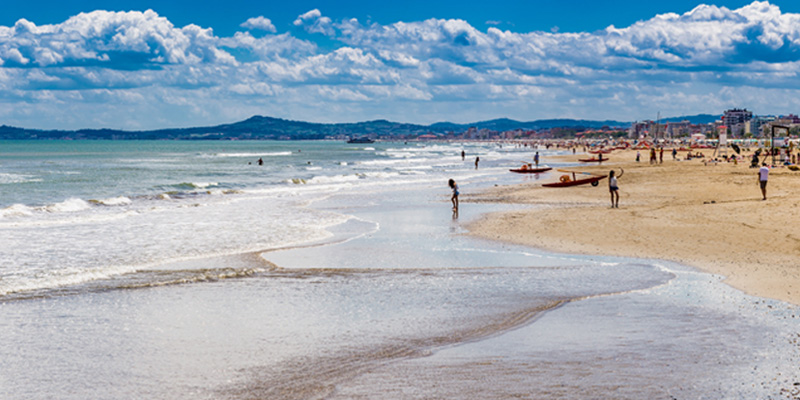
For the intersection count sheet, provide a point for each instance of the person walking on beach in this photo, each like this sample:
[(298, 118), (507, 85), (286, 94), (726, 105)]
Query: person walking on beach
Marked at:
[(613, 187), (637, 156), (674, 154), (536, 159), (661, 156), (763, 175), (652, 155), (454, 199)]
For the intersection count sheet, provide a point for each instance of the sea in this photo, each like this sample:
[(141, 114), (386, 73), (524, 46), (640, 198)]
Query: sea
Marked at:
[(190, 270)]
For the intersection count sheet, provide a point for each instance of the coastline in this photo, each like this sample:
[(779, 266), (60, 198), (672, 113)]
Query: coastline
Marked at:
[(710, 217)]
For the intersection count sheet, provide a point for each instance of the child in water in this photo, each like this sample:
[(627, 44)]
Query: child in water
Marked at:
[(454, 199)]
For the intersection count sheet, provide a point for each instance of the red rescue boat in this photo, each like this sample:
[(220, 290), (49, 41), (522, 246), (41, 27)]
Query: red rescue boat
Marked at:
[(566, 181)]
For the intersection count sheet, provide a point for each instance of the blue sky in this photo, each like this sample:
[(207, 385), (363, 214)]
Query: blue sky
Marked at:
[(152, 64)]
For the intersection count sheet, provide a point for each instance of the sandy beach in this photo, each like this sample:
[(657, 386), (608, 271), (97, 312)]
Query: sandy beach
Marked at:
[(707, 216)]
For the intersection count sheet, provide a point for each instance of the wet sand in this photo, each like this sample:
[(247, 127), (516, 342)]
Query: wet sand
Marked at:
[(707, 216)]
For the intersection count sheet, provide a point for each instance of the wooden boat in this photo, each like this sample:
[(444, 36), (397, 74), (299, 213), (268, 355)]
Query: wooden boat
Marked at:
[(566, 181), (525, 170)]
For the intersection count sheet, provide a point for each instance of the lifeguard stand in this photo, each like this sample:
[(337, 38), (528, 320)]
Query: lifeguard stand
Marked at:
[(722, 146), (780, 131)]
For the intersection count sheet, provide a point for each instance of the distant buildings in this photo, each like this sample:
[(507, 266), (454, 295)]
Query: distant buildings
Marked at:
[(738, 123), (735, 119)]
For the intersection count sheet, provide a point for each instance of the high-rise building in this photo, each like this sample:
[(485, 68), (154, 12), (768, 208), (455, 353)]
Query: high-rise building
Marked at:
[(735, 120)]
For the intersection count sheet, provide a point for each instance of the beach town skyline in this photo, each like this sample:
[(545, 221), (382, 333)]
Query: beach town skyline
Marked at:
[(139, 65)]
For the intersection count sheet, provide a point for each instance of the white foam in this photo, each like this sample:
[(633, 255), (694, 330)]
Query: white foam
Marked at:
[(203, 185), (254, 155), (333, 179), (7, 178), (115, 201), (16, 210), (58, 278), (69, 205)]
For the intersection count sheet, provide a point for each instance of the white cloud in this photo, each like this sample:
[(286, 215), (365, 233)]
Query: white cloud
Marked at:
[(141, 59), (310, 15), (110, 39), (259, 22), (314, 22)]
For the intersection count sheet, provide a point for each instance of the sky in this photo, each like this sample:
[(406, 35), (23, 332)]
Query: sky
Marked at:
[(141, 64)]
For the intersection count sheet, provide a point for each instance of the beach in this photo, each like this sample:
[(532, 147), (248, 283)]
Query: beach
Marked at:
[(707, 215), (178, 270)]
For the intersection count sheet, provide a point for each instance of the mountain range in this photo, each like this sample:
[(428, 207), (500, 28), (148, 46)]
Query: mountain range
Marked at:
[(260, 127)]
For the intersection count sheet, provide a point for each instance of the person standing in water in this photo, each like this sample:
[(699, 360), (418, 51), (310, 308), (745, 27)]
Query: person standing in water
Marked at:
[(463, 154), (454, 199), (477, 160), (613, 187)]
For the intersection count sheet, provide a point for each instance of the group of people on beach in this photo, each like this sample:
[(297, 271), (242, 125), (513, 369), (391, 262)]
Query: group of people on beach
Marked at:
[(613, 179)]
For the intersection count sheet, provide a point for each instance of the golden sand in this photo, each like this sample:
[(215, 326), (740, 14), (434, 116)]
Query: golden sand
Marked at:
[(707, 216)]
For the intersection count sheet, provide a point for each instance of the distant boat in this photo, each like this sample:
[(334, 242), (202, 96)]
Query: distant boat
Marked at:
[(361, 140)]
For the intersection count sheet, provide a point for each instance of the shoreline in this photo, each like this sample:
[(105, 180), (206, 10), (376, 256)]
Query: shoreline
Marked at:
[(710, 217)]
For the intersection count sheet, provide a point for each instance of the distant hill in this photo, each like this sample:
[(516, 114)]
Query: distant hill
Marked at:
[(260, 127), (505, 124), (694, 119), (256, 127)]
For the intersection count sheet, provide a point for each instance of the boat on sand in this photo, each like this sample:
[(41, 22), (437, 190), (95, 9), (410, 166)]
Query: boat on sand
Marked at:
[(566, 180)]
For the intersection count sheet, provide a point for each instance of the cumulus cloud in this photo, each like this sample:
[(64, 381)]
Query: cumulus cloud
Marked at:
[(447, 64), (314, 22), (109, 39), (259, 22)]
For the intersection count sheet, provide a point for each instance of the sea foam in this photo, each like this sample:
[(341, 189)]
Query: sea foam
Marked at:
[(16, 210), (69, 205), (113, 201)]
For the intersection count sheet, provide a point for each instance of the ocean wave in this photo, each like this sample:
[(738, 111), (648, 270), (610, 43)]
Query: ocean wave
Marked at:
[(69, 205), (77, 282), (113, 201), (254, 155), (384, 162), (195, 185), (329, 179), (333, 179), (16, 210), (8, 178)]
